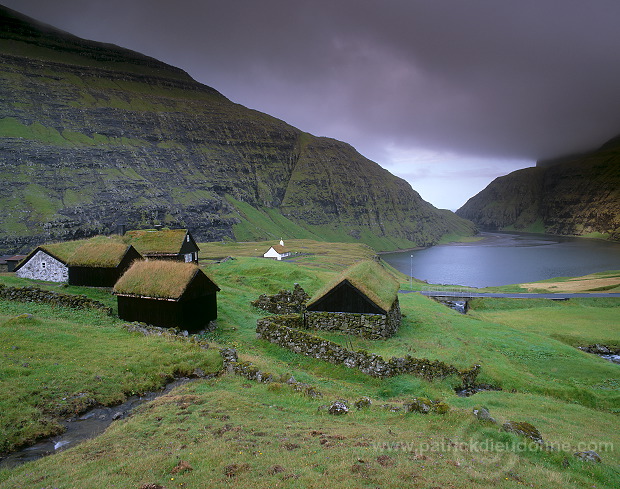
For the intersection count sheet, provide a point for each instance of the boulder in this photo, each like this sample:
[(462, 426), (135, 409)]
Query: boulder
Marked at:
[(589, 456), (483, 414), (418, 405), (338, 408), (362, 403), (524, 429)]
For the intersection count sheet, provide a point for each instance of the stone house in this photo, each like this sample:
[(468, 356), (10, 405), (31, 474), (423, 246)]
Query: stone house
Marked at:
[(95, 262), (277, 252), (164, 244), (167, 293), (363, 301), (47, 262)]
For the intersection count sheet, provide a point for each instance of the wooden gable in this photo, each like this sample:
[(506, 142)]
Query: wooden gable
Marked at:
[(365, 287), (345, 297)]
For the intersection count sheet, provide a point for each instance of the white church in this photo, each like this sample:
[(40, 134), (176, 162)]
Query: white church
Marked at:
[(277, 252)]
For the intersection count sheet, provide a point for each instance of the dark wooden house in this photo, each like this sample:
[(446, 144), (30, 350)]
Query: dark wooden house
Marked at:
[(164, 244), (168, 294), (13, 261), (9, 262), (362, 301), (100, 264)]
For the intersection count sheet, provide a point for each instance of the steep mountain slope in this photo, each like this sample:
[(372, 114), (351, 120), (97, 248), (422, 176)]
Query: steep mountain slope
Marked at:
[(93, 135), (574, 195)]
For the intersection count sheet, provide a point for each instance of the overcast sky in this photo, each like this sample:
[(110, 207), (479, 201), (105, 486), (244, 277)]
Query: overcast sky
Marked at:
[(448, 94)]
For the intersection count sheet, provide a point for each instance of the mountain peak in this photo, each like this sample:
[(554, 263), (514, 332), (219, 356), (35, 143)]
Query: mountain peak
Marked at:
[(20, 34)]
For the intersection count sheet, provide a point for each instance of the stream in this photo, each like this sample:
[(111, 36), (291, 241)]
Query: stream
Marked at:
[(85, 426)]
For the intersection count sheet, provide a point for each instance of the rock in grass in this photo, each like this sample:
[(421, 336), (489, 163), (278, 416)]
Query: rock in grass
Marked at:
[(338, 408), (362, 403), (589, 456), (483, 414), (418, 405), (524, 429)]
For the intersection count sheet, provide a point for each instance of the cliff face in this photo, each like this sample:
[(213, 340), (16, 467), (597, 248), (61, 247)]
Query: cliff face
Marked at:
[(93, 135), (576, 195)]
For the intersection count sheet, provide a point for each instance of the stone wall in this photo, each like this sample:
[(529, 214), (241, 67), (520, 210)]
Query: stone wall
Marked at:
[(42, 266), (371, 326), (284, 302), (282, 331), (33, 294)]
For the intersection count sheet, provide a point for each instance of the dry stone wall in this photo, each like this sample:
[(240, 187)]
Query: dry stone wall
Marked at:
[(371, 326), (283, 331), (284, 302), (34, 294)]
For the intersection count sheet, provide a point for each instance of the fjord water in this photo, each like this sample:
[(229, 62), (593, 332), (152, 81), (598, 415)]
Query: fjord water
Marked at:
[(503, 258)]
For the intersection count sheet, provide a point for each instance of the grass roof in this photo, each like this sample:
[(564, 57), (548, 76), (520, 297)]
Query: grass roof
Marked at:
[(157, 278), (63, 251), (66, 250), (371, 278), (156, 241), (103, 254)]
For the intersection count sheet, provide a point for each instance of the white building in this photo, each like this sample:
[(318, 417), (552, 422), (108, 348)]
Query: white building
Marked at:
[(277, 252), (42, 265)]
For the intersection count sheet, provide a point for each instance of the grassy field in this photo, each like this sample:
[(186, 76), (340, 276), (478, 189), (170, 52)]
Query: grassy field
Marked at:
[(233, 432), (56, 362)]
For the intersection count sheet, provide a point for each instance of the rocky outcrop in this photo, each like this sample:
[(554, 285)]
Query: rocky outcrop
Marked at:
[(94, 135), (575, 195)]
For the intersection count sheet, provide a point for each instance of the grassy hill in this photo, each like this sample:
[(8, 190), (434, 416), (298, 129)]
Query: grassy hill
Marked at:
[(230, 430)]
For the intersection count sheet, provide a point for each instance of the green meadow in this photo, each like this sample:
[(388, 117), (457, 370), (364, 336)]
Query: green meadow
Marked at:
[(232, 432)]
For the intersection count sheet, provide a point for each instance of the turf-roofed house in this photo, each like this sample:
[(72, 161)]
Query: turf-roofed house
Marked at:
[(48, 262), (101, 264), (167, 294), (164, 244), (363, 301), (94, 262)]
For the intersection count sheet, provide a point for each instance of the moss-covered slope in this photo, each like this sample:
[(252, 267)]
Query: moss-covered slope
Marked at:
[(577, 195), (93, 135)]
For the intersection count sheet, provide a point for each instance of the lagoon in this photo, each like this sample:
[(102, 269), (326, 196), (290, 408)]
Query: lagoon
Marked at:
[(503, 258)]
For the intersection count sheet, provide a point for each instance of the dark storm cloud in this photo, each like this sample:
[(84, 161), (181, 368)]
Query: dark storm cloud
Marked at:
[(525, 79)]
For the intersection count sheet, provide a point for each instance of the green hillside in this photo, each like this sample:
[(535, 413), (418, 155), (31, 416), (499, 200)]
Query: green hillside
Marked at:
[(230, 430), (93, 135)]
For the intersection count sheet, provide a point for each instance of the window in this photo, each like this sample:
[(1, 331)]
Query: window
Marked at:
[(187, 238), (43, 264)]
